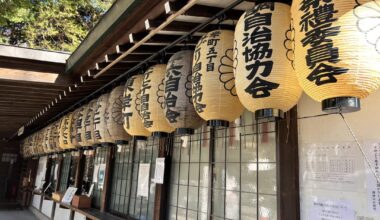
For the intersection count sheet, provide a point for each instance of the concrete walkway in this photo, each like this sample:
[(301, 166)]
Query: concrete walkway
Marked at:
[(16, 215)]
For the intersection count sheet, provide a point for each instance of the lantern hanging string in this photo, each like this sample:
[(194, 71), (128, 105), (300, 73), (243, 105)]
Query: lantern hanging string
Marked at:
[(361, 149)]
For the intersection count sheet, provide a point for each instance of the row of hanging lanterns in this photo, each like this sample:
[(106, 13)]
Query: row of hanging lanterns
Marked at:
[(98, 122), (329, 49)]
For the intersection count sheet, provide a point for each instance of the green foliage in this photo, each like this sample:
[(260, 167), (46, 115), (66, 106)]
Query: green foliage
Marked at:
[(49, 24)]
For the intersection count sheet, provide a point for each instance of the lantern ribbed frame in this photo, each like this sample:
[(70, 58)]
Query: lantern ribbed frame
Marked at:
[(357, 43)]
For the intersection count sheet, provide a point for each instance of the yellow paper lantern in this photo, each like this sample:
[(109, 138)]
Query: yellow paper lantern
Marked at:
[(179, 108), (153, 101), (132, 106), (80, 126), (47, 139), (44, 143), (100, 127), (65, 133), (73, 128), (337, 51), (114, 115), (213, 84), (89, 123), (54, 136), (265, 79)]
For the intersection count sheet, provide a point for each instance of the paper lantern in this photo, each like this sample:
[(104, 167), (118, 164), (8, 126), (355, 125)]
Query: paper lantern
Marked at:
[(80, 126), (47, 139), (100, 127), (214, 93), (114, 116), (73, 128), (89, 123), (265, 79), (131, 108), (54, 136), (65, 132), (153, 101), (179, 108), (43, 141), (337, 51)]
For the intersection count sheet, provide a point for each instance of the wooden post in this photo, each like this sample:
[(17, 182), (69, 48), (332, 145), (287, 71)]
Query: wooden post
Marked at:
[(79, 169), (60, 164), (107, 179), (162, 190), (288, 201)]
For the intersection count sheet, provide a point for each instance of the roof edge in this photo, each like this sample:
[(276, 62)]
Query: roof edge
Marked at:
[(110, 20)]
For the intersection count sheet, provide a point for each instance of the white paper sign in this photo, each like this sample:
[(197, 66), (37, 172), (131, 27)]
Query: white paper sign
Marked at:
[(160, 170), (101, 175), (331, 210), (90, 191), (95, 175), (373, 189), (56, 172), (143, 180), (331, 166), (69, 195)]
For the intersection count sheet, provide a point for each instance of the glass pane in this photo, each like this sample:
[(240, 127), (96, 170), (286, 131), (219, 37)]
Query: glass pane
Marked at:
[(218, 203), (233, 176), (267, 147), (267, 178), (248, 206), (267, 207)]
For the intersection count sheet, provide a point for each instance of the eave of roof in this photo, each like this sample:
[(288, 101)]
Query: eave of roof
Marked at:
[(107, 24)]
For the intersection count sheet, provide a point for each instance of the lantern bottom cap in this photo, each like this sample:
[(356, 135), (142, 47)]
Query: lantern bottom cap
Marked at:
[(184, 131), (96, 145), (140, 138), (341, 105), (269, 114), (106, 144), (218, 123), (159, 134), (121, 142)]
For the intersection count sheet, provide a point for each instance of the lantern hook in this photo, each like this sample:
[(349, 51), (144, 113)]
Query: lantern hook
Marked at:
[(221, 18)]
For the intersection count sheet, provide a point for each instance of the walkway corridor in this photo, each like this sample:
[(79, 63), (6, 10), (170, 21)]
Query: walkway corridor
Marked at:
[(16, 215)]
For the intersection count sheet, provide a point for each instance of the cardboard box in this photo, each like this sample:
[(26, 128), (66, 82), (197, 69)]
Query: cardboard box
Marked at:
[(81, 202)]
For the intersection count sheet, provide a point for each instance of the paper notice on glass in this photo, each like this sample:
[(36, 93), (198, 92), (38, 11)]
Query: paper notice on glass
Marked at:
[(331, 210), (160, 170), (95, 175), (69, 195), (184, 140), (373, 188), (101, 175), (331, 166), (56, 172), (143, 180)]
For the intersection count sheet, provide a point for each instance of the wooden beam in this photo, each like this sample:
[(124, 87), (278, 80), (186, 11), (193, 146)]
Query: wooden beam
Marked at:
[(180, 26), (107, 179), (161, 200), (202, 10), (288, 200)]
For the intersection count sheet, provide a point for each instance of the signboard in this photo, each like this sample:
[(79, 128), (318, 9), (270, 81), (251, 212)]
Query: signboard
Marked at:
[(95, 175), (331, 210), (160, 170), (101, 175), (143, 180), (69, 195)]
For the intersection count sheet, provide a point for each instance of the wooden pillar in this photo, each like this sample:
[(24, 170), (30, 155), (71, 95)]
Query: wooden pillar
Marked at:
[(60, 164), (79, 169), (162, 190), (288, 201), (107, 179)]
